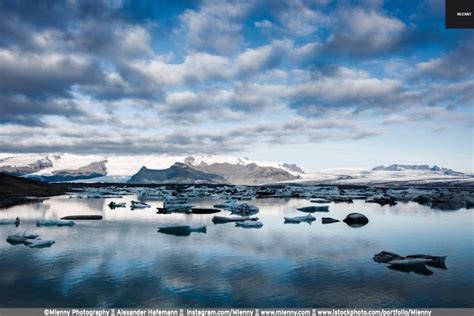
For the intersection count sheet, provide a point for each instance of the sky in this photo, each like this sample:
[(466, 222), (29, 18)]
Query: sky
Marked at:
[(323, 84)]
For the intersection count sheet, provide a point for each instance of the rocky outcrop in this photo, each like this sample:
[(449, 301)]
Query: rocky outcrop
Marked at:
[(18, 190), (356, 220), (292, 167), (329, 220)]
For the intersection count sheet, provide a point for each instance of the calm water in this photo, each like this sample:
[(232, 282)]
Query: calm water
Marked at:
[(123, 260)]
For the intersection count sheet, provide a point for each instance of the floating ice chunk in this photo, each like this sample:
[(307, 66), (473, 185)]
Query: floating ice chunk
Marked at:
[(113, 205), (136, 204), (249, 224), (298, 219), (312, 209), (26, 235), (39, 243), (20, 238), (223, 219), (244, 209)]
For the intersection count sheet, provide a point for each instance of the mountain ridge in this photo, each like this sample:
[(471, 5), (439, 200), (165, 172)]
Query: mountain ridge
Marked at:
[(177, 173), (403, 167)]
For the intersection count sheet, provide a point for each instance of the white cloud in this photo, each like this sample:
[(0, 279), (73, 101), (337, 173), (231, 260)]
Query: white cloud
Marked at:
[(346, 87), (455, 64), (364, 32), (256, 59), (195, 67), (299, 19), (264, 24), (216, 27)]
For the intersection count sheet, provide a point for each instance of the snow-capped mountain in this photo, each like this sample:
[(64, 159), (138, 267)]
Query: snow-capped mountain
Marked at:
[(235, 170), (244, 173), (382, 176), (435, 169), (177, 173), (95, 168)]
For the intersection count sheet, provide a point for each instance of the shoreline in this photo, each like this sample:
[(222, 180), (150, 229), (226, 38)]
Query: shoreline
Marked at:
[(17, 191)]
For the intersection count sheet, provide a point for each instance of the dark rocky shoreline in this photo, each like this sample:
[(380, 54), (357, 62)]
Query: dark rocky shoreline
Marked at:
[(16, 190)]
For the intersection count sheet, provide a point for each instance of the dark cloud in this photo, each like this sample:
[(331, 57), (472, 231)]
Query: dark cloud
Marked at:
[(44, 74), (24, 110), (184, 141)]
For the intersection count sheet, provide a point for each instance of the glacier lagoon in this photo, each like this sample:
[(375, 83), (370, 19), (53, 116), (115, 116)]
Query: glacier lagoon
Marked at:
[(122, 261)]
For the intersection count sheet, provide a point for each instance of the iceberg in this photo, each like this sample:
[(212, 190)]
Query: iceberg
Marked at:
[(39, 243), (20, 238), (223, 219), (244, 209), (136, 204), (249, 224), (298, 219), (312, 209), (113, 205)]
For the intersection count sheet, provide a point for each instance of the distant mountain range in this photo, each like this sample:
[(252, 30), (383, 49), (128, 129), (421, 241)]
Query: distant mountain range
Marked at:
[(241, 173), (92, 170), (210, 169), (204, 169), (397, 167), (28, 168), (212, 173)]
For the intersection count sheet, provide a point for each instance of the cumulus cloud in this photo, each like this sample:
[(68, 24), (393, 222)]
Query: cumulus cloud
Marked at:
[(264, 24), (216, 27), (41, 74), (90, 75), (454, 64), (265, 57), (297, 18), (195, 67), (364, 32), (335, 87)]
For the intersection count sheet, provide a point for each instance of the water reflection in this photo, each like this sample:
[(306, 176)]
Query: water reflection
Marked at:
[(182, 230), (418, 269), (123, 261)]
